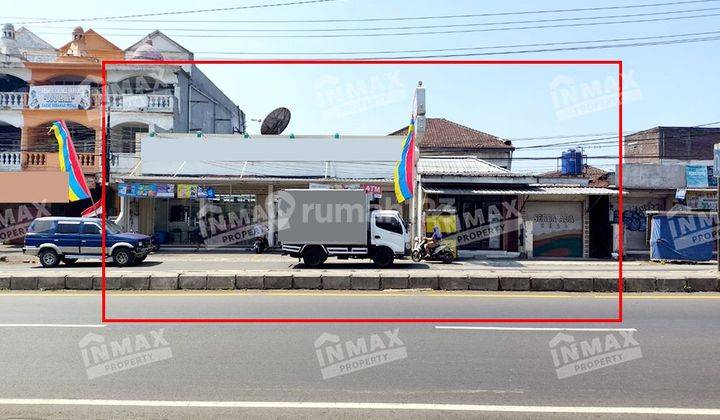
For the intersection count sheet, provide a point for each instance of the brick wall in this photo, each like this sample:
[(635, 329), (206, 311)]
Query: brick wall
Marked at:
[(674, 143)]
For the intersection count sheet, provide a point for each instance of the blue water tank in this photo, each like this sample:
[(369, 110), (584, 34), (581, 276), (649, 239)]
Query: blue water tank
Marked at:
[(578, 162), (565, 162)]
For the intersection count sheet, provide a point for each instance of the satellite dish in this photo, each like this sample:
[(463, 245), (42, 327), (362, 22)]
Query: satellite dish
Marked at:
[(276, 121)]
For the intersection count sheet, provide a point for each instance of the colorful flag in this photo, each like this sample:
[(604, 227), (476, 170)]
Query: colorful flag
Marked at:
[(77, 187), (93, 211), (404, 176)]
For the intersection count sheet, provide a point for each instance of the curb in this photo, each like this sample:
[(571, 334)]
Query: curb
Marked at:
[(316, 280)]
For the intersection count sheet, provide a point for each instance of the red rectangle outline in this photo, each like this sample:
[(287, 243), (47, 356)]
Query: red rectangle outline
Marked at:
[(618, 319)]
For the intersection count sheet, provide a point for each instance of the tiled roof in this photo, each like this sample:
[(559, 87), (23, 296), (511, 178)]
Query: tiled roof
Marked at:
[(596, 176), (443, 134)]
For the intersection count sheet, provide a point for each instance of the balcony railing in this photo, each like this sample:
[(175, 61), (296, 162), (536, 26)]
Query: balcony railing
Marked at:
[(10, 161), (142, 103), (48, 161), (123, 163), (13, 100)]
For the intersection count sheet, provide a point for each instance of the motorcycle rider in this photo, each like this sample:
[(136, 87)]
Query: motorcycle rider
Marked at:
[(434, 241)]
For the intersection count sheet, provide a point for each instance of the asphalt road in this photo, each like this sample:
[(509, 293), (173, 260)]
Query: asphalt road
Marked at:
[(667, 365)]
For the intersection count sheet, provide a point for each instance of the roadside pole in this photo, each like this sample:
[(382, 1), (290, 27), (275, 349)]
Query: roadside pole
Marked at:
[(716, 174), (420, 126)]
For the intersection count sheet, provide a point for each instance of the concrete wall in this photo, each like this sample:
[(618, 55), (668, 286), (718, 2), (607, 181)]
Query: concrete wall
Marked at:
[(202, 105), (653, 176)]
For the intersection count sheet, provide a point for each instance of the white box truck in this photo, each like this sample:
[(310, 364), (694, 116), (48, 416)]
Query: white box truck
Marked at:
[(317, 224)]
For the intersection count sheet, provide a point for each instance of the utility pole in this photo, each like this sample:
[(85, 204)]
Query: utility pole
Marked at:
[(716, 175), (420, 127)]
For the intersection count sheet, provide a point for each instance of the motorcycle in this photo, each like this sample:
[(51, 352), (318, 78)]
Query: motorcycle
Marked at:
[(260, 245), (441, 252)]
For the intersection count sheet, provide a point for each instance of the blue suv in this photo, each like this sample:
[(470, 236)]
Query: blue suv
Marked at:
[(66, 239)]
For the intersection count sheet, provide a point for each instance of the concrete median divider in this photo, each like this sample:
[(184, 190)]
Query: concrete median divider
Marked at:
[(702, 284), (220, 281), (639, 284), (335, 281), (423, 280), (504, 280), (393, 280), (79, 282), (23, 282), (483, 281), (192, 282), (605, 283), (51, 283), (546, 282), (278, 281), (304, 279), (164, 282), (249, 280), (135, 282), (453, 281), (365, 281), (514, 282), (578, 282)]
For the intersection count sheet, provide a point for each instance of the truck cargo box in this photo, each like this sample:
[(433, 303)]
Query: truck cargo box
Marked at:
[(326, 217)]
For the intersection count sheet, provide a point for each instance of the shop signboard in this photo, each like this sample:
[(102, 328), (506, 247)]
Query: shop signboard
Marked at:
[(696, 176), (146, 190), (194, 191), (60, 97)]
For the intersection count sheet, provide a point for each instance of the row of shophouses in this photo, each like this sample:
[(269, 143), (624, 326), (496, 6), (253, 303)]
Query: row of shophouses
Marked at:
[(177, 146)]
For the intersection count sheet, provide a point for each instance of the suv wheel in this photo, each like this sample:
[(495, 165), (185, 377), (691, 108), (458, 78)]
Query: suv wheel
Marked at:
[(314, 257), (49, 258), (122, 257), (383, 257)]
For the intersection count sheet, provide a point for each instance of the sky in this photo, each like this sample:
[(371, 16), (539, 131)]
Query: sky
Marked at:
[(535, 106)]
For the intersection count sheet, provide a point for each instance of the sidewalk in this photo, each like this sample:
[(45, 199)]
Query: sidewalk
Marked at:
[(246, 270)]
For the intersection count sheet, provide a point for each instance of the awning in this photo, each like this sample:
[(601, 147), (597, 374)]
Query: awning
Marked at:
[(529, 190)]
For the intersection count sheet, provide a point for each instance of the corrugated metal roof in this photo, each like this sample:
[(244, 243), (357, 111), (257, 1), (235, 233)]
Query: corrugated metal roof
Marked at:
[(463, 166), (529, 190)]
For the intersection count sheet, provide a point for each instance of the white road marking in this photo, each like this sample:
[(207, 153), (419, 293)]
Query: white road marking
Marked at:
[(52, 326), (371, 406), (462, 327)]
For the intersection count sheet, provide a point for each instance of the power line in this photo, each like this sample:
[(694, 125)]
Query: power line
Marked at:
[(326, 53), (457, 25), (184, 12), (388, 19), (443, 32)]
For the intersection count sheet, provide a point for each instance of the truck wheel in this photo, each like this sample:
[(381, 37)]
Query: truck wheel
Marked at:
[(49, 258), (314, 257), (122, 257), (383, 257)]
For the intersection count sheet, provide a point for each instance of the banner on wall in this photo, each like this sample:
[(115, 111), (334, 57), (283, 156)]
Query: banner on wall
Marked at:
[(194, 191), (696, 176), (146, 190), (59, 97)]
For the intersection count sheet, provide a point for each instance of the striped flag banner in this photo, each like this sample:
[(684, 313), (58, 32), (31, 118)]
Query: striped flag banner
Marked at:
[(69, 162), (404, 175)]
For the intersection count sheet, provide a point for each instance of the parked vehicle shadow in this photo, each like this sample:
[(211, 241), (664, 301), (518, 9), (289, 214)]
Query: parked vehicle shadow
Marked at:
[(97, 264), (398, 266)]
